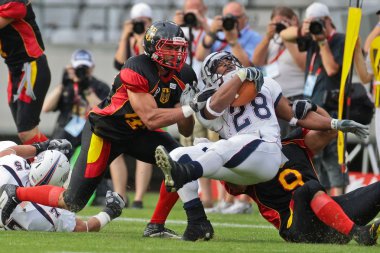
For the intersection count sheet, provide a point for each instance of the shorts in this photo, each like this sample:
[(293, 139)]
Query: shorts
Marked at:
[(26, 109)]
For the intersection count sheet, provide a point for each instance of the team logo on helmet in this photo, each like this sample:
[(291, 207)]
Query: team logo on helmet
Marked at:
[(165, 95), (150, 33)]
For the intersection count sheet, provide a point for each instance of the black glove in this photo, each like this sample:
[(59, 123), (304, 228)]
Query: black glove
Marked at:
[(200, 99), (41, 146), (302, 107)]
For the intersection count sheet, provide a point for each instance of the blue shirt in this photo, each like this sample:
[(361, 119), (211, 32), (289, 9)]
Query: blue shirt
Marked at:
[(248, 40)]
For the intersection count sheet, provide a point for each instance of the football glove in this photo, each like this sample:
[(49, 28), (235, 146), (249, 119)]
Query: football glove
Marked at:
[(302, 107), (350, 126), (41, 146), (114, 204), (200, 99), (188, 93), (252, 74), (61, 145)]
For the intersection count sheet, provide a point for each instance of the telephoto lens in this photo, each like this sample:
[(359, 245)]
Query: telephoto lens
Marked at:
[(316, 26), (280, 27), (190, 19), (229, 22), (138, 27)]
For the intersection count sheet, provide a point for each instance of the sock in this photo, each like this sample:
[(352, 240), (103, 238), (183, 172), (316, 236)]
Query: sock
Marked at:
[(37, 138), (165, 203), (47, 195), (194, 210), (331, 213)]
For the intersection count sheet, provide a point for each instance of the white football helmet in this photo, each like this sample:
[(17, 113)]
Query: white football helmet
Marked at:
[(49, 167), (212, 62)]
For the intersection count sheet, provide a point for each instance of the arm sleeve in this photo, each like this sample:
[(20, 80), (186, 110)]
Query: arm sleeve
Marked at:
[(16, 10), (134, 81)]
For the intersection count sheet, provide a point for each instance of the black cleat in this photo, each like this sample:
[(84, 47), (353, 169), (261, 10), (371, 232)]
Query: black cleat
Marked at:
[(114, 204), (200, 230), (156, 230), (176, 174), (8, 201), (367, 235)]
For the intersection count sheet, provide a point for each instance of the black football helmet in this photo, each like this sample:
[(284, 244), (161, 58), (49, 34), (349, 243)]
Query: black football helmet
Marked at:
[(165, 43)]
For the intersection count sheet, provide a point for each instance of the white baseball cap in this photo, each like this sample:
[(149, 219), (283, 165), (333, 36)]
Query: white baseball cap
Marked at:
[(141, 10), (317, 10), (82, 57)]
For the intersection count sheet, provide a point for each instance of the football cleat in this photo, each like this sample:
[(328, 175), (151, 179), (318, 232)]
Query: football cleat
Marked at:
[(156, 230), (199, 230), (8, 201), (176, 174), (114, 204), (239, 207), (367, 235)]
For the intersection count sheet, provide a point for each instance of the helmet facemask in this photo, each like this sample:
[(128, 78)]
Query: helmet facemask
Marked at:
[(171, 53), (210, 74)]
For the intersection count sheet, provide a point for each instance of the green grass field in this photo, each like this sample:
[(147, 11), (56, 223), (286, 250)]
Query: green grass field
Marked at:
[(233, 233)]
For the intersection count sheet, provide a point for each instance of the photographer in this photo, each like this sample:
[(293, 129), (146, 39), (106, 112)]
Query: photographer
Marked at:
[(230, 32), (325, 48), (75, 96), (281, 60), (132, 36)]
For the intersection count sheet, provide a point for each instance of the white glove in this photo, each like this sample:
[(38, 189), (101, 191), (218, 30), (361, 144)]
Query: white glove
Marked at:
[(252, 74), (62, 145), (188, 93), (200, 99), (350, 126)]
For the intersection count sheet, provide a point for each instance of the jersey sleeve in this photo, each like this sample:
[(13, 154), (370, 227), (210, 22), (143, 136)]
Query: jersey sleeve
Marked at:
[(66, 221), (13, 9), (134, 81), (274, 89)]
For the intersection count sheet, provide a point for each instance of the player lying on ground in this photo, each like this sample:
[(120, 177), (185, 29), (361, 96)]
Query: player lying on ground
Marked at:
[(50, 167), (297, 205), (250, 149)]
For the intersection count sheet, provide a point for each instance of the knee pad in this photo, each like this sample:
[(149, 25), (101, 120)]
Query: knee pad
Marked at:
[(308, 190)]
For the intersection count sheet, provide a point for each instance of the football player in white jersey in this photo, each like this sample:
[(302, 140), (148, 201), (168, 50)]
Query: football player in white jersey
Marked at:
[(250, 149), (49, 167)]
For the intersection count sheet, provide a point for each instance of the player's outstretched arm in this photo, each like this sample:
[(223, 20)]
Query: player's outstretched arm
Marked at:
[(113, 209)]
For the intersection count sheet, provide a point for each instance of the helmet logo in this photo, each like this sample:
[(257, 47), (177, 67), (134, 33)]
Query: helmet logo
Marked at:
[(165, 95), (150, 33)]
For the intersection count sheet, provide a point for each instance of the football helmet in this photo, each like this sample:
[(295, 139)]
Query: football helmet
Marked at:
[(165, 43), (49, 167), (211, 64)]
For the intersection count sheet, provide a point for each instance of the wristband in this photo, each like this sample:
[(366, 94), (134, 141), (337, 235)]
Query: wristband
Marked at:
[(187, 111), (242, 74), (334, 124), (211, 111), (293, 121), (103, 218)]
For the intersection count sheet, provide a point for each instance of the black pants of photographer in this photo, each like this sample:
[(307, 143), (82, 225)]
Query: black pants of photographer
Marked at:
[(327, 166)]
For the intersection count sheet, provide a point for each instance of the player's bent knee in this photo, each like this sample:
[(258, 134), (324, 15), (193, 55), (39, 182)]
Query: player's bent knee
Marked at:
[(308, 190), (73, 204)]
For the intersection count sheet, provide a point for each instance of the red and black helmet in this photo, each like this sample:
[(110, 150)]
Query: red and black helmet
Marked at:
[(165, 43)]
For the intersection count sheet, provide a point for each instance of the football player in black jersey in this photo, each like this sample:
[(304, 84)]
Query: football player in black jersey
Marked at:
[(29, 75), (145, 96), (298, 206)]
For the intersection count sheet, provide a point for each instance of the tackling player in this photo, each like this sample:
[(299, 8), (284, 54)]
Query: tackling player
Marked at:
[(50, 167), (250, 149), (297, 205)]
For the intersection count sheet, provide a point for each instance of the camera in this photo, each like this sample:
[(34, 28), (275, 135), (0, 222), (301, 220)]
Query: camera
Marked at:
[(138, 27), (190, 19), (81, 72), (229, 22), (280, 27), (316, 26)]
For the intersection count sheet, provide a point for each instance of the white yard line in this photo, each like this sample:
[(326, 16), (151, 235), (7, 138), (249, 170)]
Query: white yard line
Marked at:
[(215, 224)]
